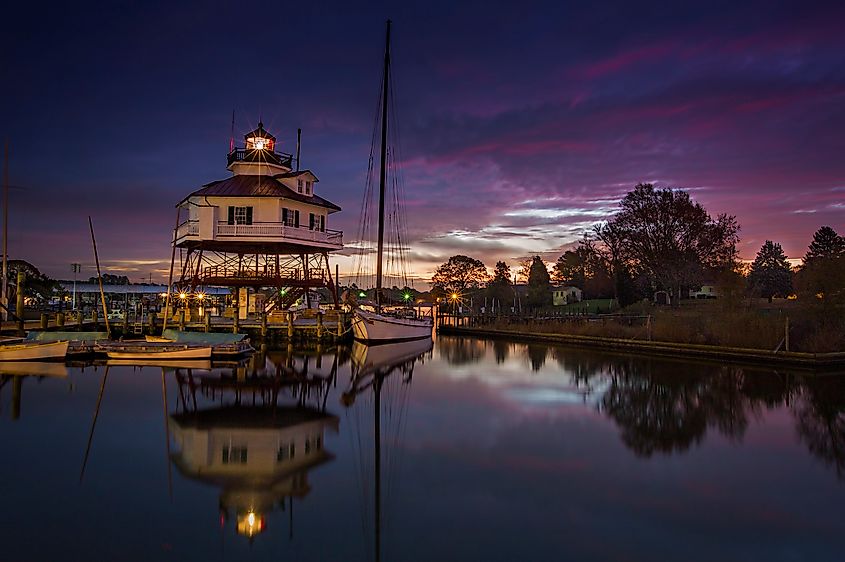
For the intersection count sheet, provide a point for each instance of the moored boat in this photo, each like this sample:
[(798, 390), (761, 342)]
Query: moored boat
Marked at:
[(154, 350), (379, 327), (228, 345), (33, 351), (372, 327)]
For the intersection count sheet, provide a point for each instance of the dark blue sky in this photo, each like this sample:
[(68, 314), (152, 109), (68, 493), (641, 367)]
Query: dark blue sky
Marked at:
[(522, 125)]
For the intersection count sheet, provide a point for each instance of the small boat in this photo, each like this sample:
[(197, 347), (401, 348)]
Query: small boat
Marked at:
[(33, 351), (229, 345), (154, 350)]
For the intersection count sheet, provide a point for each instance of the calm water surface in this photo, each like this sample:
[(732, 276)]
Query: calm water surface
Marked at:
[(475, 450)]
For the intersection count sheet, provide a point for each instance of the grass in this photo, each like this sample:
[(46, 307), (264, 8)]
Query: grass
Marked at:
[(756, 325), (593, 306)]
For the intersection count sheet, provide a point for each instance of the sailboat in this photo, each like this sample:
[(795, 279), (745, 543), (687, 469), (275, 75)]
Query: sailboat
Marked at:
[(378, 327)]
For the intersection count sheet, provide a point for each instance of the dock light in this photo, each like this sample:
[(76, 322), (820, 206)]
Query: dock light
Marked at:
[(183, 295), (200, 296), (362, 294), (406, 296), (454, 296), (283, 292)]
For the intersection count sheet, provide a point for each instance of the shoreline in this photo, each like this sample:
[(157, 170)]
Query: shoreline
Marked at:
[(664, 349)]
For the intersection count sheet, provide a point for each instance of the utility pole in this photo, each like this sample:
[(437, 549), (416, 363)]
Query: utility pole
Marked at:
[(76, 269)]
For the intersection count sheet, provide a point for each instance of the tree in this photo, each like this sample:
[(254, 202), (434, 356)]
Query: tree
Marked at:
[(539, 285), (826, 244), (571, 268), (821, 279), (771, 274), (37, 287), (500, 288), (524, 269), (458, 275), (664, 235)]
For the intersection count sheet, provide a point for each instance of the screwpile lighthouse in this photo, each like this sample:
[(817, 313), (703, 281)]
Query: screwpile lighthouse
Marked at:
[(262, 228)]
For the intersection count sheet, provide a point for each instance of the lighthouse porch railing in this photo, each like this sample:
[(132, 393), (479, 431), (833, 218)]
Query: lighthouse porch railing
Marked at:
[(264, 230)]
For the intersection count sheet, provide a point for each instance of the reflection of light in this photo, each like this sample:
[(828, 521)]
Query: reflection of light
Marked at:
[(250, 525), (250, 519)]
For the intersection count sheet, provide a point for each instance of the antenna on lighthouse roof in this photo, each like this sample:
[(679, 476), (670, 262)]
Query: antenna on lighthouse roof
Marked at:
[(298, 141), (232, 136)]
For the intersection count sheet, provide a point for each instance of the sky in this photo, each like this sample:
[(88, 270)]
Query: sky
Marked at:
[(521, 125)]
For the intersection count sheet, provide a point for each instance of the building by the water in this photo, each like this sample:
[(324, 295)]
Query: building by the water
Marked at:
[(263, 231)]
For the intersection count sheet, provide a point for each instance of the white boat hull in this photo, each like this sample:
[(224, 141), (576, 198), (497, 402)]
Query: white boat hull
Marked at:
[(33, 351), (199, 353), (372, 327)]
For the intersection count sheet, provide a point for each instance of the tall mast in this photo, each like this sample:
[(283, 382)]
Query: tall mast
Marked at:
[(5, 281), (383, 170)]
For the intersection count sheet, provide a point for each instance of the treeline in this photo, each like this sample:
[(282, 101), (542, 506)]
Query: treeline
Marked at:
[(660, 240)]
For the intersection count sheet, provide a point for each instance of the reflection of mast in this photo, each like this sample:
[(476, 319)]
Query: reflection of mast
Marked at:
[(372, 365), (93, 424)]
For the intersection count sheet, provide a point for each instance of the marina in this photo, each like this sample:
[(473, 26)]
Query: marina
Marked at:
[(454, 282)]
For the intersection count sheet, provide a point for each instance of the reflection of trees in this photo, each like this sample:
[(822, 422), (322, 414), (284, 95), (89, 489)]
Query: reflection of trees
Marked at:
[(579, 364), (537, 355), (820, 420), (665, 407), (501, 349), (461, 351)]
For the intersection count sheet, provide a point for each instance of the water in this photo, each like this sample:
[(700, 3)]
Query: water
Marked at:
[(489, 451)]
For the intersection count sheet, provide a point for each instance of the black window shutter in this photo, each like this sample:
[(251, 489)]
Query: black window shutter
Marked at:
[(249, 215), (311, 221), (284, 216), (296, 218), (231, 215), (322, 223)]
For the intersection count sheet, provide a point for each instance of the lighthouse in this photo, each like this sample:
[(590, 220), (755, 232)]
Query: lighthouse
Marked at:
[(264, 228)]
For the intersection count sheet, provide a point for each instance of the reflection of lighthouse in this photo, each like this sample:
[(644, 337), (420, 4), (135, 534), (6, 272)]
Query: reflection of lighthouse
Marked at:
[(258, 451)]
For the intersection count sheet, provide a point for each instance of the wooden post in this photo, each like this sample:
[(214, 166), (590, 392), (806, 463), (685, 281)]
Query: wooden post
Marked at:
[(60, 319), (152, 322), (45, 321), (170, 277), (786, 334), (339, 323), (207, 321), (19, 304), (648, 327), (263, 323), (319, 325), (290, 324), (95, 319), (181, 320), (236, 317), (125, 320)]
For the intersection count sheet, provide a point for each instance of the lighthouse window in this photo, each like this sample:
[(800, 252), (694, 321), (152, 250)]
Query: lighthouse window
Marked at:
[(240, 215), (322, 223), (299, 185), (308, 186), (312, 221), (286, 452), (287, 217), (234, 455)]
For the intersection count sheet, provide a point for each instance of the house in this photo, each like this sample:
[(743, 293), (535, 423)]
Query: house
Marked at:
[(708, 290), (566, 295)]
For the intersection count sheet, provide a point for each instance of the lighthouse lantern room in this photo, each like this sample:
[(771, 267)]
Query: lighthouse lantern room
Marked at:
[(262, 228)]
